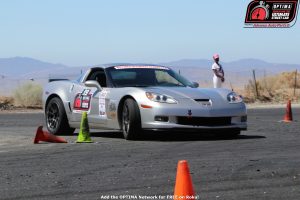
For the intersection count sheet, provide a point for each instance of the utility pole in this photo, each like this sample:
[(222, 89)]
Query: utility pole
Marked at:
[(231, 86), (255, 84), (295, 83)]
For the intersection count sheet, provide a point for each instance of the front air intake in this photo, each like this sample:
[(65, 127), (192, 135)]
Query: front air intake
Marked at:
[(204, 121)]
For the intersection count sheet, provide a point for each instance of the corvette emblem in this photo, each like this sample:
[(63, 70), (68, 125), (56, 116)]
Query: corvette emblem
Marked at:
[(190, 113)]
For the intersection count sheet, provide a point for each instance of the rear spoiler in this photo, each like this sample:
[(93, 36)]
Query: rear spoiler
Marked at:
[(57, 79)]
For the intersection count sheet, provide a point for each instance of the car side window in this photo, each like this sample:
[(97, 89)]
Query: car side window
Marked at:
[(98, 76)]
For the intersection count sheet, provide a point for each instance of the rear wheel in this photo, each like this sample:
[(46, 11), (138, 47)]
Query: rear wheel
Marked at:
[(131, 120), (56, 118)]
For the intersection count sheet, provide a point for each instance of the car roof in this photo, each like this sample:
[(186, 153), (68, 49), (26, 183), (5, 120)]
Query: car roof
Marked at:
[(106, 66), (125, 64)]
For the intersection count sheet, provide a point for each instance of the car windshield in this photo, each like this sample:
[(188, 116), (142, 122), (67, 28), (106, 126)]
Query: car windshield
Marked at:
[(145, 76)]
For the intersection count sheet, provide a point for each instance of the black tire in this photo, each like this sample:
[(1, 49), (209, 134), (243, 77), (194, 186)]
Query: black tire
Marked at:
[(131, 120), (56, 118)]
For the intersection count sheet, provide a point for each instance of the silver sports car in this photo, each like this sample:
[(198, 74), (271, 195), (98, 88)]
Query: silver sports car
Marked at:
[(133, 98)]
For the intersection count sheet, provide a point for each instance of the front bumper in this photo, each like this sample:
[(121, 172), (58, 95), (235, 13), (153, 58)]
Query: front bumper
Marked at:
[(206, 118), (174, 125)]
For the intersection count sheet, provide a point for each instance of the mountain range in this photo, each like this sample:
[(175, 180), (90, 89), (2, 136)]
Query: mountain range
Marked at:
[(237, 73), (24, 66), (19, 66)]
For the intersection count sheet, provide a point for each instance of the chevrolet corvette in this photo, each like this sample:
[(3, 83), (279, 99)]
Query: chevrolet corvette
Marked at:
[(133, 98)]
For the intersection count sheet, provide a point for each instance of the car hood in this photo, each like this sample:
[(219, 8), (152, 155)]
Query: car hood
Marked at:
[(191, 93)]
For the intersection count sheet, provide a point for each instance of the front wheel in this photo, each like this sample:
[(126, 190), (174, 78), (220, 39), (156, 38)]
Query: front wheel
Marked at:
[(131, 120), (56, 118)]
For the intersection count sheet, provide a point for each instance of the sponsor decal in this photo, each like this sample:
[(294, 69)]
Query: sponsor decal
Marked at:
[(102, 104), (112, 106), (141, 67), (271, 14), (112, 110), (82, 101)]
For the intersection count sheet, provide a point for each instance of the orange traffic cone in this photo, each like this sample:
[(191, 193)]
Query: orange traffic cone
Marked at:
[(288, 113), (47, 137), (183, 186)]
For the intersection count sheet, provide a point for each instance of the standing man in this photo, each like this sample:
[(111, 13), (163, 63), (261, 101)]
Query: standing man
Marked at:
[(218, 78)]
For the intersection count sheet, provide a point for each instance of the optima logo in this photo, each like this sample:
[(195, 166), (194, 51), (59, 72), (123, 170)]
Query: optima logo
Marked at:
[(271, 14)]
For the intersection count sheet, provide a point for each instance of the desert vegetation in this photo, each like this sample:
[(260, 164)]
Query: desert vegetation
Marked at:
[(276, 89), (28, 95), (6, 103)]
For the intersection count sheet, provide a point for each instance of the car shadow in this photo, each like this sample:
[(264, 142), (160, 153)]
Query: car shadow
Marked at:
[(108, 134), (180, 136), (176, 136)]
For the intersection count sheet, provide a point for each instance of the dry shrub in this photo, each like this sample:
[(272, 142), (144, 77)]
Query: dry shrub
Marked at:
[(6, 100), (28, 95), (6, 103), (277, 88)]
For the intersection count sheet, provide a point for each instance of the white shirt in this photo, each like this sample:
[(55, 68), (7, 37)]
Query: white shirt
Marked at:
[(219, 69)]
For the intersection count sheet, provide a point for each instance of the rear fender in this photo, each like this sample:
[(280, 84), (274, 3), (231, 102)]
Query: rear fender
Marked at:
[(59, 89)]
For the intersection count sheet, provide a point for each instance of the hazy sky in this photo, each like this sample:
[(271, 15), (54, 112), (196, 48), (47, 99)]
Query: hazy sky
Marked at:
[(83, 32)]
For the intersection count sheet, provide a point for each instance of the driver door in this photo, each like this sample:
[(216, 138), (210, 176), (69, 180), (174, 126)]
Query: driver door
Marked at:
[(91, 100)]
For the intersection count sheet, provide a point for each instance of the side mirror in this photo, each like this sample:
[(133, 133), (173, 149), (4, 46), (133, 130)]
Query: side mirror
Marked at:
[(195, 84), (92, 83)]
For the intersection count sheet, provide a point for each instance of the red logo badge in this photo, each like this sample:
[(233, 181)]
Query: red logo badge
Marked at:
[(271, 14)]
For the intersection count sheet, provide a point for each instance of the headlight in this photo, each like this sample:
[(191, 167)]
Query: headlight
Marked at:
[(160, 98), (234, 98)]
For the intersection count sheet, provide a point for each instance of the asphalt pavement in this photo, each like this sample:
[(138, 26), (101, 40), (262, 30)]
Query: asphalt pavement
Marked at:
[(262, 163)]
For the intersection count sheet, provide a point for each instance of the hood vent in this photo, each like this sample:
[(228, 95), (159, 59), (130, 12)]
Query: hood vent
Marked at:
[(204, 102), (201, 100)]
